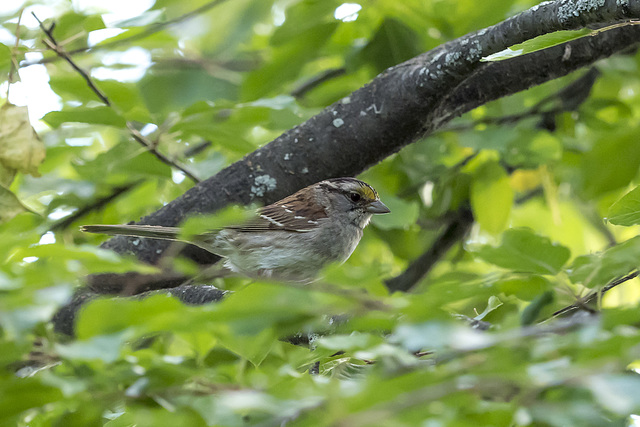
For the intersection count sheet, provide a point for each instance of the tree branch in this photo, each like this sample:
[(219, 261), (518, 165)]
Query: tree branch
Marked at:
[(582, 302), (399, 106), (453, 233), (396, 108)]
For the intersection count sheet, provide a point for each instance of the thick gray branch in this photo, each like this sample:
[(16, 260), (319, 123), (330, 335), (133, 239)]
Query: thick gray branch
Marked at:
[(403, 103)]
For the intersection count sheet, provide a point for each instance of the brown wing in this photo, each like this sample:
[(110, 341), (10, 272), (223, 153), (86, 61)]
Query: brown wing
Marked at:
[(292, 213)]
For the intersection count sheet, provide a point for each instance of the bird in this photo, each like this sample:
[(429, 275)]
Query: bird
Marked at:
[(291, 240)]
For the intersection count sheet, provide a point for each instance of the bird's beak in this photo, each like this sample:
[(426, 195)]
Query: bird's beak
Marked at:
[(377, 207)]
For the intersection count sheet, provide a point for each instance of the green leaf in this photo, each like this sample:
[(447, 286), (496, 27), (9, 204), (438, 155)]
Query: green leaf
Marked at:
[(97, 115), (231, 215), (127, 99), (143, 415), (230, 125), (287, 61), (403, 214), (531, 149), (151, 314), (265, 305), (72, 23), (169, 90), (351, 342), (5, 58), (491, 197), (522, 250), (619, 393), (301, 17), (393, 42), (626, 211), (596, 270), (146, 18), (493, 303), (72, 87), (92, 258), (544, 41), (507, 53), (123, 161), (526, 287), (102, 347), (20, 394), (73, 28), (437, 335), (532, 311), (10, 205), (253, 347), (612, 163), (625, 315)]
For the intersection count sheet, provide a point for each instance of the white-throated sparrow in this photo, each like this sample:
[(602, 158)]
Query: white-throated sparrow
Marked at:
[(292, 239)]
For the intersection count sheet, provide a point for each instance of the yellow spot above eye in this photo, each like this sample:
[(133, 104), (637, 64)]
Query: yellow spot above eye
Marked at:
[(368, 193)]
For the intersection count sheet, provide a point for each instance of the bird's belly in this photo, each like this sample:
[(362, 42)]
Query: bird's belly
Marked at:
[(274, 263), (299, 258)]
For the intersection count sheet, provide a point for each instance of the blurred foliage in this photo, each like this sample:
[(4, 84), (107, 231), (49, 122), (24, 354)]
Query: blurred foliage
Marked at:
[(209, 89)]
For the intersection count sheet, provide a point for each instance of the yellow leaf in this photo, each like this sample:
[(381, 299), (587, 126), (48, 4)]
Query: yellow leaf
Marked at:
[(525, 179), (10, 206), (491, 197), (551, 194), (6, 175), (20, 148)]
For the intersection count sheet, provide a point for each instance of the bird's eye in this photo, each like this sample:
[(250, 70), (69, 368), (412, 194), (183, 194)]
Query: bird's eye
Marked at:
[(355, 197)]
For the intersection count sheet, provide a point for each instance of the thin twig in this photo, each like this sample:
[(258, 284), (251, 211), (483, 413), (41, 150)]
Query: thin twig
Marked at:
[(136, 135), (213, 68), (612, 26), (62, 53), (140, 138), (315, 81), (14, 61), (420, 267), (196, 149), (514, 336), (154, 28), (582, 302), (364, 299), (94, 206), (569, 98), (502, 120)]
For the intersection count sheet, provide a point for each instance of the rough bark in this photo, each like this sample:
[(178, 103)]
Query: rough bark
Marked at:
[(404, 103), (399, 106)]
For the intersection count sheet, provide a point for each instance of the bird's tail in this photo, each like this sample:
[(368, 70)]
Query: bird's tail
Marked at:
[(150, 231), (206, 241)]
